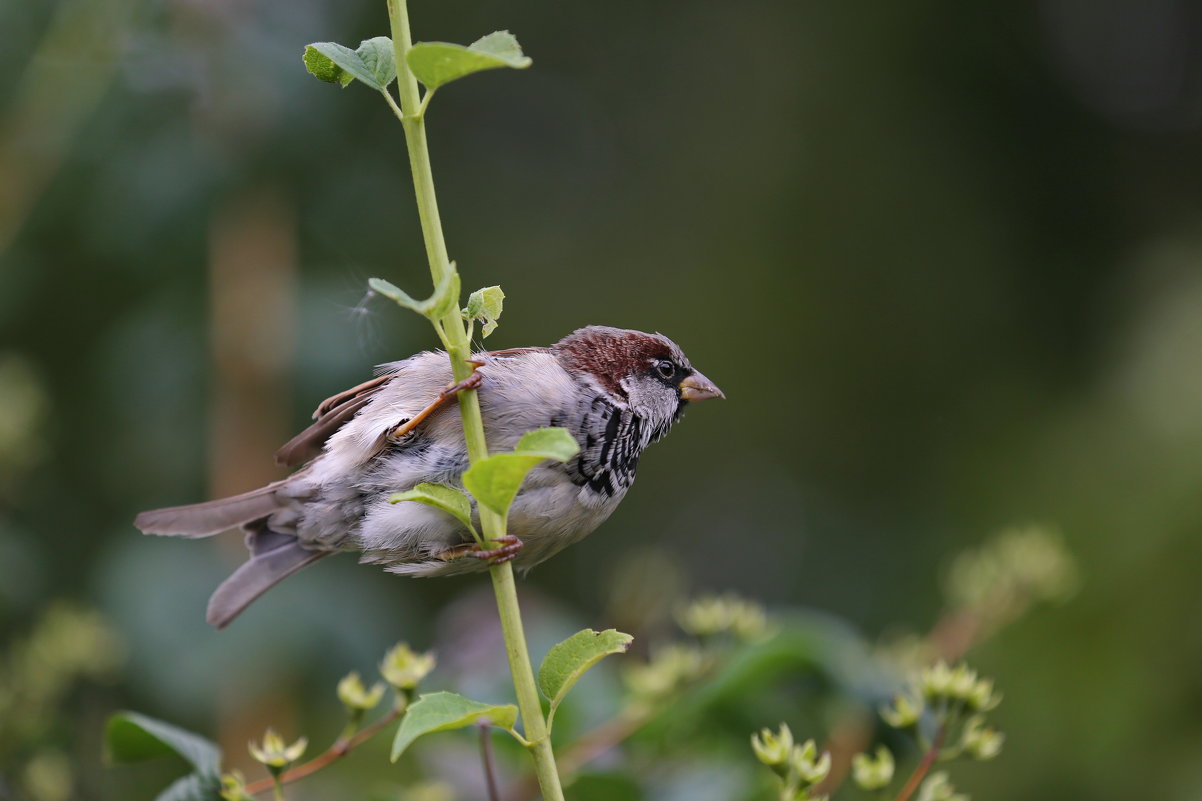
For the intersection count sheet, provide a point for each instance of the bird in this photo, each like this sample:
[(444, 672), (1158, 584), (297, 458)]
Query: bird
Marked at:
[(615, 390)]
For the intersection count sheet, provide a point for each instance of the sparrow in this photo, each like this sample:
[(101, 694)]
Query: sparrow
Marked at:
[(615, 390)]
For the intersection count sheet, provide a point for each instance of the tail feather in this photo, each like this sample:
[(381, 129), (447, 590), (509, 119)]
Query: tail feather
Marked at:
[(211, 517), (266, 568)]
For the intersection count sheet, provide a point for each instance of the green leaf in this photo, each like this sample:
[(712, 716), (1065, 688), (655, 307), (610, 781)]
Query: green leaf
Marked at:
[(549, 443), (378, 57), (130, 737), (372, 64), (448, 499), (566, 662), (322, 68), (445, 297), (495, 481), (485, 305), (438, 63), (445, 711)]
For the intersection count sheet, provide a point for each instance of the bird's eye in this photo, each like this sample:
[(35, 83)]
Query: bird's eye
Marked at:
[(665, 369)]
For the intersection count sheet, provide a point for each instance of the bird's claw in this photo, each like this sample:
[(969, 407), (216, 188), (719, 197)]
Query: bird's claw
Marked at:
[(498, 556)]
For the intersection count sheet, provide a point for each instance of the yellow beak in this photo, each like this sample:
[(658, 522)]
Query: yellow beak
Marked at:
[(697, 387)]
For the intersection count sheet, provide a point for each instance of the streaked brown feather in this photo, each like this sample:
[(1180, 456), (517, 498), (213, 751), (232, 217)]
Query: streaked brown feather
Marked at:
[(330, 416)]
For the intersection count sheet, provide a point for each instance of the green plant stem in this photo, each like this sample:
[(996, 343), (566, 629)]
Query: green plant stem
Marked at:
[(454, 335)]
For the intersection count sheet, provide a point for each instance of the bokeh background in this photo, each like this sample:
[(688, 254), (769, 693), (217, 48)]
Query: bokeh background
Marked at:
[(942, 257)]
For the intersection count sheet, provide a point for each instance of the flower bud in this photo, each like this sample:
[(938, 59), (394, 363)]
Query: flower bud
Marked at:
[(873, 773), (982, 698), (936, 681), (980, 741), (670, 668), (403, 669), (806, 763), (773, 749), (233, 787), (938, 788), (275, 754), (355, 697), (904, 712)]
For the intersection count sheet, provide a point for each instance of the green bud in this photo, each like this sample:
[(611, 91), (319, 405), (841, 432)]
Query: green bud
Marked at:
[(807, 765), (980, 741), (275, 754), (670, 668), (873, 773), (233, 787), (936, 681), (404, 669), (904, 712), (982, 698), (711, 615), (938, 788), (963, 680), (773, 749), (355, 697)]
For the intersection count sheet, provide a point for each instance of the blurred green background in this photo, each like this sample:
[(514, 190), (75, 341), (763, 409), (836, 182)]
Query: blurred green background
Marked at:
[(943, 258)]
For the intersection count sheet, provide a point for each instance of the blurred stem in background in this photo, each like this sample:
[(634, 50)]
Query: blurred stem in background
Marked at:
[(252, 296), (455, 338)]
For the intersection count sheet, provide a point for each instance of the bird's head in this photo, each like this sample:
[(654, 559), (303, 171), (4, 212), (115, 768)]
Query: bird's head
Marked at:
[(647, 373)]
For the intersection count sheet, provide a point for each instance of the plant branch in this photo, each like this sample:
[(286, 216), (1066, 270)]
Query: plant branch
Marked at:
[(335, 752), (459, 350), (924, 767), (490, 777)]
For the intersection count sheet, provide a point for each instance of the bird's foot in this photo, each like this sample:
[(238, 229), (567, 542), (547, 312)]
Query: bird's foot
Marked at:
[(407, 426), (498, 556), (471, 382)]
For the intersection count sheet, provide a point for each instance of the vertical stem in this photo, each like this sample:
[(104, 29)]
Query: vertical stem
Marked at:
[(459, 350)]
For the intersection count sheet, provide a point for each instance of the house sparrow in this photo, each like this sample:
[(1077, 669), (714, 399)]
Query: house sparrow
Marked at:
[(616, 391)]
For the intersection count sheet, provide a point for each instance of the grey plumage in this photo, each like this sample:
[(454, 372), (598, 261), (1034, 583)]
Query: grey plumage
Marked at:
[(609, 387)]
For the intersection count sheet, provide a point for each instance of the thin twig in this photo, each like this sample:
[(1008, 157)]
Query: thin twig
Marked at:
[(334, 753), (490, 776), (924, 766), (952, 636)]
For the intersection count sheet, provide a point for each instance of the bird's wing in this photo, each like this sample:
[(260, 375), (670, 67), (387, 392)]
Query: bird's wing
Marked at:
[(335, 411), (330, 416)]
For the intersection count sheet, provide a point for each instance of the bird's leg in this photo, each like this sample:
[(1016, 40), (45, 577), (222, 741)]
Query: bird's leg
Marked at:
[(471, 382), (497, 556)]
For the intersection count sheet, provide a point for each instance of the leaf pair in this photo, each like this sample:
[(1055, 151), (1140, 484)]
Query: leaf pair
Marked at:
[(563, 666), (433, 63), (373, 64), (130, 737)]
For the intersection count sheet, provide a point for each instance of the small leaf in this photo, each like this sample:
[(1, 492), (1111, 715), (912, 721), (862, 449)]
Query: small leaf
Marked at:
[(485, 305), (448, 499), (130, 737), (549, 443), (350, 61), (378, 57), (322, 68), (495, 481), (439, 63), (445, 711), (566, 662), (445, 297)]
